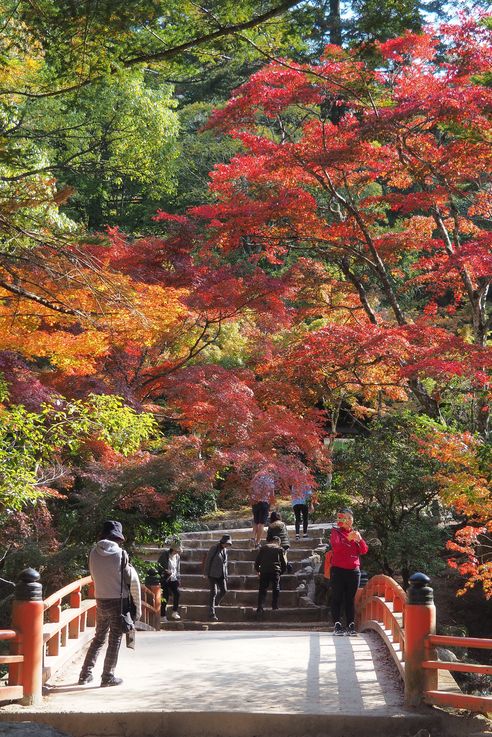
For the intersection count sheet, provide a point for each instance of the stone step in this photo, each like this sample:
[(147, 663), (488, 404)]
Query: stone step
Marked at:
[(225, 613), (218, 528), (237, 597), (245, 532), (198, 581), (198, 554), (185, 624), (236, 567), (211, 722), (243, 543)]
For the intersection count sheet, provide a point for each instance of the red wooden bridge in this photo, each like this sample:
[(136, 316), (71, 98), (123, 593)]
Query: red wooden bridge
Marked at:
[(46, 634)]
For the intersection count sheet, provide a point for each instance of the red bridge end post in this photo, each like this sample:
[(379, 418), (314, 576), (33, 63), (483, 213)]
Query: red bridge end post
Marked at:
[(27, 619), (420, 621)]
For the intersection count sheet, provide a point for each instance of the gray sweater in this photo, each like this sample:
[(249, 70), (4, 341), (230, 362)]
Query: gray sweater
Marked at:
[(105, 569)]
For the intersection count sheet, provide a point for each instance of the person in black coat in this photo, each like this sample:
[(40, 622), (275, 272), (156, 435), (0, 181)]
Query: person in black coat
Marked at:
[(215, 568), (270, 563)]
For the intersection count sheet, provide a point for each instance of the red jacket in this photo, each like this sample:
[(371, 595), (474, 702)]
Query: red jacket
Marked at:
[(346, 552)]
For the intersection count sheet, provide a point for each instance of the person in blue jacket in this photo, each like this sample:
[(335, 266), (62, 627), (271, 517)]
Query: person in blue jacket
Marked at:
[(301, 503)]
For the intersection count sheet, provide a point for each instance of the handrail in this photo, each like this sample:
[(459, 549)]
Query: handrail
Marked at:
[(383, 606), (380, 606), (66, 590), (14, 690), (151, 612), (45, 633), (481, 643), (446, 698), (8, 635), (66, 631)]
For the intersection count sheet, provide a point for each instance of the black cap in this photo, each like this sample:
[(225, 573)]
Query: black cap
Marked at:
[(226, 540), (112, 530)]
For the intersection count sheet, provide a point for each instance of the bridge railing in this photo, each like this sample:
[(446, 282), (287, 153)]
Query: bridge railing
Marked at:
[(151, 606), (380, 607), (47, 633), (459, 700), (407, 624), (13, 690), (67, 617)]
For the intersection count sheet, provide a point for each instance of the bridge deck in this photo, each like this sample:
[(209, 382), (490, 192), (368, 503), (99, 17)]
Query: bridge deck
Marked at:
[(308, 672), (223, 684)]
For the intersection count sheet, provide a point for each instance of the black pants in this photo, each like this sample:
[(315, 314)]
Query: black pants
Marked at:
[(169, 587), (218, 589), (298, 510), (344, 584), (266, 579)]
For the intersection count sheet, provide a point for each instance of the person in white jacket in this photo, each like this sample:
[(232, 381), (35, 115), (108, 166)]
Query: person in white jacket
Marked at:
[(112, 575)]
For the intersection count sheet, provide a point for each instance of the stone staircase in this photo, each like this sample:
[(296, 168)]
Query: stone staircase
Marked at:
[(238, 610)]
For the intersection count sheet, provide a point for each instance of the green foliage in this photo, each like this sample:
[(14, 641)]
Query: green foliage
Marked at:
[(189, 506), (126, 130), (392, 493), (120, 426), (330, 502), (415, 546), (36, 447)]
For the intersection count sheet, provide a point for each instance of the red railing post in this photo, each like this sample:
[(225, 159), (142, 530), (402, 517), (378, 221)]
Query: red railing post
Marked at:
[(420, 621), (91, 614), (27, 619), (75, 603)]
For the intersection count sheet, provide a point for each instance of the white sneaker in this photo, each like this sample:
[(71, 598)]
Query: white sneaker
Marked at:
[(175, 615)]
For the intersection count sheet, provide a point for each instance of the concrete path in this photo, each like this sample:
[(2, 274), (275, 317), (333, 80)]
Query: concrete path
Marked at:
[(249, 671), (235, 684)]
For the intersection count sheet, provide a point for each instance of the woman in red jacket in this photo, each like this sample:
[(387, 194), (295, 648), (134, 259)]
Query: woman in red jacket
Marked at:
[(347, 545)]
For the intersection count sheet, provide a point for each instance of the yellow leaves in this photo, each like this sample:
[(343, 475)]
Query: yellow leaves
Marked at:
[(401, 179), (154, 313), (461, 481), (119, 311), (482, 206)]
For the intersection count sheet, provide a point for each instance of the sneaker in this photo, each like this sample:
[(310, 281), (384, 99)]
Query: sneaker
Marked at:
[(351, 630), (274, 608), (83, 679), (338, 629), (305, 535), (164, 620), (298, 537), (213, 618), (111, 681), (175, 615)]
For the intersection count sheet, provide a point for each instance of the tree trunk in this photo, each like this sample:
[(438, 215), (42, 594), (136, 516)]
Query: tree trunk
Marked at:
[(335, 23)]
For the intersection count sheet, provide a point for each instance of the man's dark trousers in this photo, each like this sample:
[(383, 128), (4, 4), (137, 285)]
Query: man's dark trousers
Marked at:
[(266, 579), (218, 589)]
